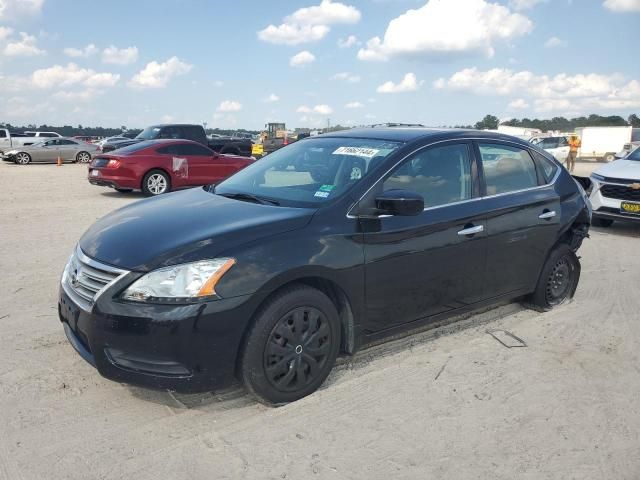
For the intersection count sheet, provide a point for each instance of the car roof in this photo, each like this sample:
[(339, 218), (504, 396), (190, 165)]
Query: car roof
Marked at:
[(414, 134)]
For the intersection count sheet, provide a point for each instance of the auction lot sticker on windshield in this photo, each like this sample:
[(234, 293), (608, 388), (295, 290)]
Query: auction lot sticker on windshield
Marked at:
[(357, 151)]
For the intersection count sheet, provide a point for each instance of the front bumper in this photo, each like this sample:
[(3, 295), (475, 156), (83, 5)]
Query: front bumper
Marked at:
[(188, 348), (606, 207)]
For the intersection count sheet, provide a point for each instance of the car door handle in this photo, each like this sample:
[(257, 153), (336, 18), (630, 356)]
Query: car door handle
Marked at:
[(547, 215), (471, 230)]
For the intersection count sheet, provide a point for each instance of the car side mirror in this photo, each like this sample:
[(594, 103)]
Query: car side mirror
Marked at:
[(403, 203)]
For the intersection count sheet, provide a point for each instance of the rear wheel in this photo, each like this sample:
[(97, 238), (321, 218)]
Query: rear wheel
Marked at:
[(156, 182), (83, 157), (558, 281), (23, 158), (601, 222), (292, 346)]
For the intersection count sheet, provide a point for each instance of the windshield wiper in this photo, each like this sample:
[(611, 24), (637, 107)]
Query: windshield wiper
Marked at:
[(250, 197)]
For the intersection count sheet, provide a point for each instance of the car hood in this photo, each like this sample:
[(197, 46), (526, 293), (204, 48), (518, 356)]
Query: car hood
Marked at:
[(626, 169), (183, 227)]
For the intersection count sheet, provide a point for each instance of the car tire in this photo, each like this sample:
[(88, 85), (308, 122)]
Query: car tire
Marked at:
[(83, 157), (558, 280), (292, 346), (601, 222), (23, 158), (156, 182)]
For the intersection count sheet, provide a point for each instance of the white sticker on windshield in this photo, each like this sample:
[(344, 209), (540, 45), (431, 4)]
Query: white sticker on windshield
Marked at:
[(357, 151)]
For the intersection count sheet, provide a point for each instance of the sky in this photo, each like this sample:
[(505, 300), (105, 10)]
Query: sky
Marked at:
[(244, 63)]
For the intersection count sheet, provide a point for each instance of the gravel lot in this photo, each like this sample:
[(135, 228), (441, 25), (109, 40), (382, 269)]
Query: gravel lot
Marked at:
[(451, 403)]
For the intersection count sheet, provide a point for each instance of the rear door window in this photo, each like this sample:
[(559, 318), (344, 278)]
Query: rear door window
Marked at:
[(547, 167), (507, 168)]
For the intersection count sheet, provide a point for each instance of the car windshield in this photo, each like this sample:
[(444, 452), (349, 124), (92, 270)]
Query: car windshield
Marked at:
[(309, 172), (635, 155), (149, 133)]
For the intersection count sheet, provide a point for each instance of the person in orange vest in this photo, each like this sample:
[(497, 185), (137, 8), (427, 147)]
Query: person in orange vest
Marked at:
[(574, 145)]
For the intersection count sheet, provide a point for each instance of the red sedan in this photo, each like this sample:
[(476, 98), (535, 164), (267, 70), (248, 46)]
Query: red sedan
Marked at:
[(159, 166)]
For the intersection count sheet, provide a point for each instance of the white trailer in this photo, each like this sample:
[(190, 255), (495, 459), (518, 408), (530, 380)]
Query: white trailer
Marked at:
[(602, 143)]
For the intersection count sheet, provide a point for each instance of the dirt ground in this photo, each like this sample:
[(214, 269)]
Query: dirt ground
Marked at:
[(451, 403)]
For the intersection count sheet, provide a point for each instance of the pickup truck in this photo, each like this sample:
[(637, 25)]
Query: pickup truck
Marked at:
[(223, 145), (10, 140)]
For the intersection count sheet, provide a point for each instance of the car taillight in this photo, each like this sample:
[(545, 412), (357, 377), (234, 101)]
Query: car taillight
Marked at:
[(113, 164)]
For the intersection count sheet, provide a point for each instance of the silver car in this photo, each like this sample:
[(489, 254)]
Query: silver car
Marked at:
[(66, 149)]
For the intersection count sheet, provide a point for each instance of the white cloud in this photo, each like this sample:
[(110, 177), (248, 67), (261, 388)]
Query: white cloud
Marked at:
[(555, 42), (319, 109), (408, 84), (157, 75), (327, 13), (557, 93), (16, 9), (518, 104), (354, 105), (524, 4), (271, 98), (218, 83), (309, 24), (228, 106), (323, 109), (346, 76), (350, 41), (293, 34), (302, 58), (623, 5), (5, 32), (27, 46), (85, 52), (443, 28), (120, 56), (71, 74)]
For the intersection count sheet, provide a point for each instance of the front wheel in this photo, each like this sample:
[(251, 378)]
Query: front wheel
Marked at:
[(292, 346), (558, 281), (83, 157), (23, 158), (156, 182)]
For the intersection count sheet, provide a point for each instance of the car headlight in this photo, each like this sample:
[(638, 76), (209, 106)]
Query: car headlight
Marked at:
[(180, 283), (595, 176)]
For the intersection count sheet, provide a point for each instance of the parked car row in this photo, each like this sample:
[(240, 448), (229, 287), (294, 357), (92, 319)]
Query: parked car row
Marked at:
[(274, 272)]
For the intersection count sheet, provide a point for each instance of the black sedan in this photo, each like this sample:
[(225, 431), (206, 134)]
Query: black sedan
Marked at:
[(320, 248)]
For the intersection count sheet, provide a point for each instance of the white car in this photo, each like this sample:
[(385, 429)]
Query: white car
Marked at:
[(557, 146), (615, 191)]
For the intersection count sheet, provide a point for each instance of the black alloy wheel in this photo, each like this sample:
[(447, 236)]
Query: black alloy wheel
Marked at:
[(298, 349), (559, 282), (292, 346)]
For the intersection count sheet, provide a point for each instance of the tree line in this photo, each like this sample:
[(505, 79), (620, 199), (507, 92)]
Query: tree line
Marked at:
[(489, 122), (562, 124)]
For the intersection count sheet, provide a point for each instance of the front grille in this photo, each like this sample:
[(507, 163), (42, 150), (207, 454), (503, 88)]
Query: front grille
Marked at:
[(84, 278), (620, 192)]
